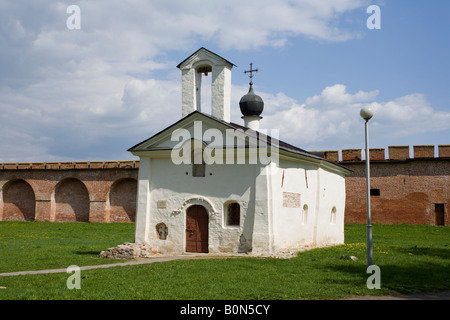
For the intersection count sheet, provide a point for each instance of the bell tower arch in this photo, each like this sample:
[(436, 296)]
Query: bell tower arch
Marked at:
[(204, 62)]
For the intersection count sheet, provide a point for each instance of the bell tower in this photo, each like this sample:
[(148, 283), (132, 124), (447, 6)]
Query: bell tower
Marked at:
[(205, 62)]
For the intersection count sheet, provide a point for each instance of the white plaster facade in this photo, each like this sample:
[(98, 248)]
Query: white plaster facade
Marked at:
[(296, 199)]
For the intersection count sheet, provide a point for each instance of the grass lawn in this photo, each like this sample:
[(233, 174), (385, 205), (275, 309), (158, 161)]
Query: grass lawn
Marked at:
[(49, 245), (411, 259)]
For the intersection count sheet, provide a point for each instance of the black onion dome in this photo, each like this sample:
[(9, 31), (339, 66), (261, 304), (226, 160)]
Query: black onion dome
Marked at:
[(251, 104)]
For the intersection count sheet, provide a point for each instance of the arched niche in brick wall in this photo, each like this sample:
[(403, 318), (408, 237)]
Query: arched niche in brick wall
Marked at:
[(122, 200), (19, 201), (71, 201)]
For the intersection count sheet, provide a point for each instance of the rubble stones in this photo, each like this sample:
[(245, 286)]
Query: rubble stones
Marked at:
[(128, 250), (344, 257)]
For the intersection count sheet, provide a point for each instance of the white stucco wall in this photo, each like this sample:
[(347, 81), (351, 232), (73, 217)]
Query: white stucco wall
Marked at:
[(331, 192), (292, 225), (303, 197), (222, 184), (299, 204)]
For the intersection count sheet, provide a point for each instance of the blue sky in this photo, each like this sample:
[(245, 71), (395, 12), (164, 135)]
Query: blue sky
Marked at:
[(91, 93)]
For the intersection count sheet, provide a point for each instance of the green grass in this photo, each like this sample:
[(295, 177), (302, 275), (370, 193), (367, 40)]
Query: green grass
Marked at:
[(49, 245), (411, 259)]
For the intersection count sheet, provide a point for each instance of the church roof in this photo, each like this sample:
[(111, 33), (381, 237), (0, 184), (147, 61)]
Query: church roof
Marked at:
[(255, 134), (203, 49)]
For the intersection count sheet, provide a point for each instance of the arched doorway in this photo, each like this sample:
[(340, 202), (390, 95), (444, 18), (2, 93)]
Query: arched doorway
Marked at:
[(19, 201), (196, 229), (72, 201), (122, 201)]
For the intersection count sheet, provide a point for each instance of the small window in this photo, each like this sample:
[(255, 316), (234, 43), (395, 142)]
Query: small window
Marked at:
[(198, 170), (305, 214), (375, 192), (233, 217), (333, 216)]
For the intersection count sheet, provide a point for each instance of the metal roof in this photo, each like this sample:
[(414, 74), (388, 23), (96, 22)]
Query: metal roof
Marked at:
[(258, 135)]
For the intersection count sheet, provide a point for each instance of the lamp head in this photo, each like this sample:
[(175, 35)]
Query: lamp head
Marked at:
[(366, 113)]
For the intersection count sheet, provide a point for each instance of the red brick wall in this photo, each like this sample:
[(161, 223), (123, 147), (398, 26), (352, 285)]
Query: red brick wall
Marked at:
[(71, 201), (19, 201), (122, 200), (106, 191), (69, 191), (398, 152), (409, 187)]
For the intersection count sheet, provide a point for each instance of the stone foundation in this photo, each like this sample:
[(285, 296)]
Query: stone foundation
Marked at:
[(130, 250)]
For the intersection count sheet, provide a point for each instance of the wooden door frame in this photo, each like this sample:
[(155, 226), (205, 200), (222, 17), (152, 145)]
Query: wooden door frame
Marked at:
[(185, 225)]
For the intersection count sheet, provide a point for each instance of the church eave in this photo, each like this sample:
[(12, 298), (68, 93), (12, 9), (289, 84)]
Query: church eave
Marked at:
[(314, 160), (138, 147), (202, 48), (145, 146)]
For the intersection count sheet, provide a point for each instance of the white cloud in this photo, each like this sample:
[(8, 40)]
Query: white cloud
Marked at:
[(155, 104), (336, 95), (90, 94), (410, 114), (332, 118)]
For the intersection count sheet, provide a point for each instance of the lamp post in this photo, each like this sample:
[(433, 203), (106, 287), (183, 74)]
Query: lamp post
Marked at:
[(366, 113)]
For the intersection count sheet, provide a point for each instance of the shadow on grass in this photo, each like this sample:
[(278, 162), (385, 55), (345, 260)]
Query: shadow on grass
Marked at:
[(424, 251), (87, 253), (404, 279)]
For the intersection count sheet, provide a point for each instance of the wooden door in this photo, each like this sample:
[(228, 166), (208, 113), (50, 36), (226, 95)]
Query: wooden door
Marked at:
[(196, 229)]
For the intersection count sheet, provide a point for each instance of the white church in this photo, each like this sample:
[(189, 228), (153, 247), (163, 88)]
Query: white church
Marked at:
[(212, 186)]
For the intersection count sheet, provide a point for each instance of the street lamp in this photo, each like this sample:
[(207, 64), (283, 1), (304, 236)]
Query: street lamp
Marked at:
[(367, 113)]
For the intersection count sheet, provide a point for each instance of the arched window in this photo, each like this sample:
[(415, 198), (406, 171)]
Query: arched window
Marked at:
[(233, 214), (333, 216), (305, 214), (204, 87)]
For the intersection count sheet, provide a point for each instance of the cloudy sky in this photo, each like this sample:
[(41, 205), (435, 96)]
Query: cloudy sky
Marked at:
[(91, 93)]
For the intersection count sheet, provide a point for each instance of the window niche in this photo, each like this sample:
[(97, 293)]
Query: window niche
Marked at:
[(305, 214), (197, 161), (333, 216), (233, 214), (162, 231)]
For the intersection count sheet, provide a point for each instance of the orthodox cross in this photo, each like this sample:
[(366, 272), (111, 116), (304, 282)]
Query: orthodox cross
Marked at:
[(251, 72)]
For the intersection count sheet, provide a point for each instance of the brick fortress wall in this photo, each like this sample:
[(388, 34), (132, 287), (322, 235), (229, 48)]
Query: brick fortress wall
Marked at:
[(69, 191), (404, 189)]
